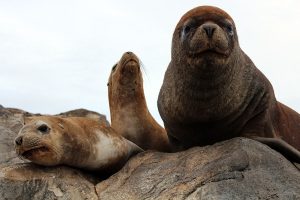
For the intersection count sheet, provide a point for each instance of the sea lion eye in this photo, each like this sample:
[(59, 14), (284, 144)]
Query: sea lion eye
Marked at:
[(43, 128), (186, 29), (229, 29)]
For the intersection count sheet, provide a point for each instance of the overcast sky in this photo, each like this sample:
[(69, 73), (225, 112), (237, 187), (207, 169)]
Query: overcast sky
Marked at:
[(56, 55)]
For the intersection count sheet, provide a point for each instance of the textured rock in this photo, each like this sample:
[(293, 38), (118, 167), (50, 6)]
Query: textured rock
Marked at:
[(235, 169), (28, 181), (10, 124)]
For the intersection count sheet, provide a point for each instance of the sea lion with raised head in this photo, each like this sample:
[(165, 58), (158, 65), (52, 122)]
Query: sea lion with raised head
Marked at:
[(129, 113), (212, 91), (74, 141)]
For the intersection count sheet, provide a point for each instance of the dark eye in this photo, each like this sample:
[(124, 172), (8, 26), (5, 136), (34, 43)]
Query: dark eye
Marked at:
[(43, 128), (186, 29), (229, 29)]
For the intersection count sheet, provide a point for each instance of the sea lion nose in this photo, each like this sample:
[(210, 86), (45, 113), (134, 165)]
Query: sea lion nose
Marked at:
[(209, 29), (129, 52), (19, 140)]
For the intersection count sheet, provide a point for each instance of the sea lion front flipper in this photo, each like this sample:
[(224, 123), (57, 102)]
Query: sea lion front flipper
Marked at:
[(288, 151), (134, 149)]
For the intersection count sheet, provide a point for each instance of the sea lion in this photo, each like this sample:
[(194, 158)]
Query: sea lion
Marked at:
[(74, 141), (130, 116), (85, 113), (212, 91)]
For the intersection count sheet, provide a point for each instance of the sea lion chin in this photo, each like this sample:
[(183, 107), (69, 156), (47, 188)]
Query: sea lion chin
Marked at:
[(212, 91)]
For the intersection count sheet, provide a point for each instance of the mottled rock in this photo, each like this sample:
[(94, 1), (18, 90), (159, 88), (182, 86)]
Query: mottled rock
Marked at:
[(28, 181), (236, 169), (10, 124)]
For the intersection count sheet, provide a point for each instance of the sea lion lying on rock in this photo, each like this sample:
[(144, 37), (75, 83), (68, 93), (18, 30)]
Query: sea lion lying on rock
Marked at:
[(74, 141)]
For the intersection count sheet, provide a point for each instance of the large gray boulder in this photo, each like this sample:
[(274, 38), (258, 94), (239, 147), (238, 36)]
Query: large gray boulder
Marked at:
[(235, 169), (31, 182)]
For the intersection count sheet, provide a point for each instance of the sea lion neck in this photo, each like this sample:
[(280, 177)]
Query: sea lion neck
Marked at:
[(215, 91), (128, 96)]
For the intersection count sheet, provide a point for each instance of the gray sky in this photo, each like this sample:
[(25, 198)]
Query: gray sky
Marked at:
[(57, 55)]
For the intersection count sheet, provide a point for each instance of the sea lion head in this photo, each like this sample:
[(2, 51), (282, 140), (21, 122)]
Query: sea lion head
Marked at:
[(40, 141), (125, 80), (204, 37)]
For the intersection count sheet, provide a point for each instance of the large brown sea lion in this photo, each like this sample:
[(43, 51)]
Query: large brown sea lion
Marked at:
[(130, 116), (73, 141), (212, 91)]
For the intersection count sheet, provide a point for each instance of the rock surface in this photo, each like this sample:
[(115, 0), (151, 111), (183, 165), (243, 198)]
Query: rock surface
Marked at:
[(10, 124), (236, 169), (28, 181)]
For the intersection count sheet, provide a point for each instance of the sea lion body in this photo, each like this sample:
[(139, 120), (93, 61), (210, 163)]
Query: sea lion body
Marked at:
[(74, 141), (212, 91), (130, 116)]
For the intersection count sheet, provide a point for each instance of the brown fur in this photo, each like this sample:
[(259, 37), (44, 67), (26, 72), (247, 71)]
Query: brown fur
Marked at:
[(128, 109), (71, 141), (212, 91)]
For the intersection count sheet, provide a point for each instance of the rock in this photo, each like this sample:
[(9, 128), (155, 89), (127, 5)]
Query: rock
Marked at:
[(85, 113), (10, 124), (236, 169), (28, 181)]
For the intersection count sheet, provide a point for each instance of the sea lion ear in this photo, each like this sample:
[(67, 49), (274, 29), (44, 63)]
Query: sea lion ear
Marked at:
[(22, 120), (61, 125), (114, 67), (26, 120)]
